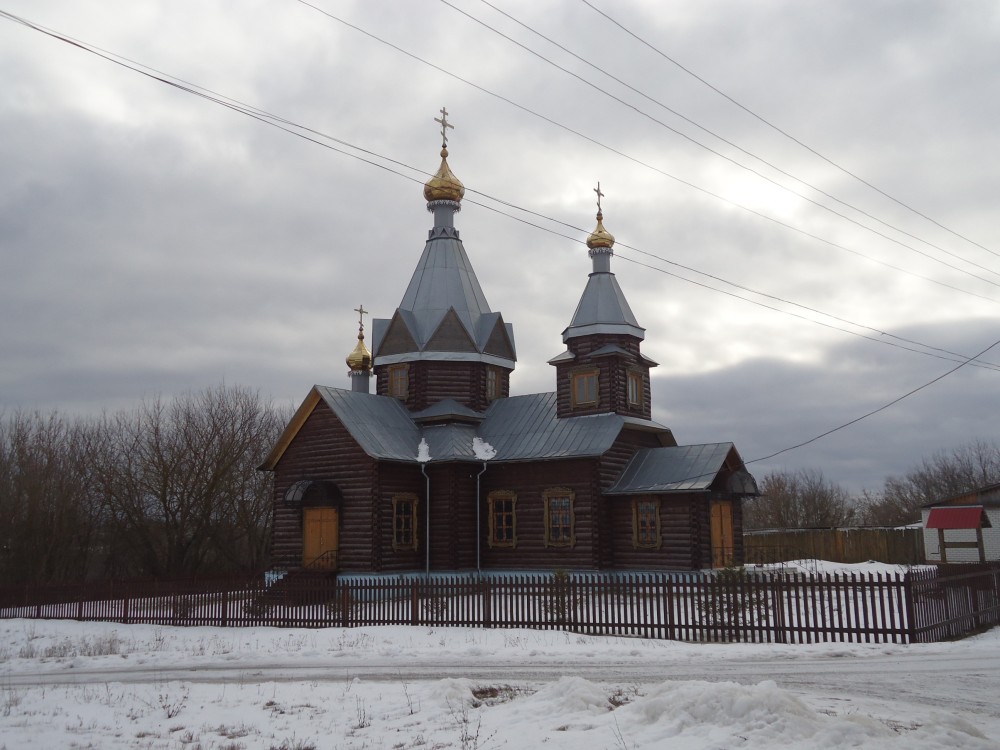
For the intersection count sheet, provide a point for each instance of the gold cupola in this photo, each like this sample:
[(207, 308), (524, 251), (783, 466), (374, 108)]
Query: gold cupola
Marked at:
[(600, 237), (444, 185), (360, 360)]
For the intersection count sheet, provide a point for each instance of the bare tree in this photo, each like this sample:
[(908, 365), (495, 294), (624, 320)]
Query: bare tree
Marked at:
[(943, 475), (799, 499), (48, 516), (180, 486)]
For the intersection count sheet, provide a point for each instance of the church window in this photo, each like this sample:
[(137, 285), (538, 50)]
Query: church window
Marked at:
[(404, 522), (646, 523), (502, 515), (559, 518), (492, 384), (399, 381), (635, 389), (584, 388)]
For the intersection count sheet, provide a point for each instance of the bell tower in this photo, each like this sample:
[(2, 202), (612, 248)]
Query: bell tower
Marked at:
[(602, 370)]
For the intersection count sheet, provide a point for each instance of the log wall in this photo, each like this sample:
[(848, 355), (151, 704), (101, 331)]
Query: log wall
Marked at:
[(325, 450)]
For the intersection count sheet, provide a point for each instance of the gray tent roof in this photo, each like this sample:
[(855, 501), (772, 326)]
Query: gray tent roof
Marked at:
[(683, 468), (520, 428), (603, 309), (443, 280)]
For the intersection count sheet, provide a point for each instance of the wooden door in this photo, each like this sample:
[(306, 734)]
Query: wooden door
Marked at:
[(722, 533), (320, 528)]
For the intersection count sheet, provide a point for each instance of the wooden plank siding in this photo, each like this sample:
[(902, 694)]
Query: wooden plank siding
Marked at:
[(612, 382), (431, 381), (325, 450), (530, 480), (395, 479)]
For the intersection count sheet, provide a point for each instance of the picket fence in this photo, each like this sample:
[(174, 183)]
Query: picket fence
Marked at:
[(743, 605)]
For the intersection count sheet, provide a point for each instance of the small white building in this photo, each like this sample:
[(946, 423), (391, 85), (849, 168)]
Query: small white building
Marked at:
[(964, 528)]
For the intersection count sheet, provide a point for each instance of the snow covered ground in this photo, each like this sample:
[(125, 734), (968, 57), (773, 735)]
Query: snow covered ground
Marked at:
[(66, 684)]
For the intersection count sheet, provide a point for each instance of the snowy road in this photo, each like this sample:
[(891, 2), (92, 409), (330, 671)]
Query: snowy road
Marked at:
[(104, 685), (949, 679)]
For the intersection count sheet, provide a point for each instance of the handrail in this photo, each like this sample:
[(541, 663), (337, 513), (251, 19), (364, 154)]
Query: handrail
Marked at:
[(325, 561)]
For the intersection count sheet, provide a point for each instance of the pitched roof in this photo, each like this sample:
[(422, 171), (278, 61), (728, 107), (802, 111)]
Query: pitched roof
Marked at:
[(520, 428), (525, 428), (988, 496), (682, 468), (444, 313), (603, 309), (958, 517)]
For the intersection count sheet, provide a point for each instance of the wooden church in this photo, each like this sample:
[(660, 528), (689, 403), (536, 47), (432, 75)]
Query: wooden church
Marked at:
[(441, 469)]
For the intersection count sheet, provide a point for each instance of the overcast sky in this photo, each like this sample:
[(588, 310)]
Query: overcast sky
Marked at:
[(154, 242)]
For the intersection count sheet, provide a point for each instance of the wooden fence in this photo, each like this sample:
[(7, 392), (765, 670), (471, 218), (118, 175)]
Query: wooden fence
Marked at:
[(920, 606), (897, 546)]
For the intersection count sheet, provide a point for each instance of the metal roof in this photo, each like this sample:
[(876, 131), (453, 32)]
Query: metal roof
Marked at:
[(524, 428), (958, 517), (520, 428), (448, 408), (682, 468), (444, 280), (603, 309), (380, 424)]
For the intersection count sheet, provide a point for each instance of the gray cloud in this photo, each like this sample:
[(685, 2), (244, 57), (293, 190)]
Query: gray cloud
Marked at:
[(153, 242)]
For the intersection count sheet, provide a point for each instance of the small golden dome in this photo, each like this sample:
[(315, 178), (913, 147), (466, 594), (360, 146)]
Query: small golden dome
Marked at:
[(444, 186), (360, 360), (600, 237)]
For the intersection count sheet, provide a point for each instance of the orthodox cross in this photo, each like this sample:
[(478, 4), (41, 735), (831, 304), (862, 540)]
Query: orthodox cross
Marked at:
[(361, 311), (443, 121), (599, 196)]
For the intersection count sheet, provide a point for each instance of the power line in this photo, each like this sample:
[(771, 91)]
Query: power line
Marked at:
[(729, 159), (782, 132), (281, 123), (274, 121), (637, 161), (876, 411)]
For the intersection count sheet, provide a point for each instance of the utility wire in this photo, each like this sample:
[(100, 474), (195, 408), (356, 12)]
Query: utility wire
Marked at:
[(261, 116), (674, 112), (719, 154), (876, 411), (774, 127), (281, 123), (635, 160)]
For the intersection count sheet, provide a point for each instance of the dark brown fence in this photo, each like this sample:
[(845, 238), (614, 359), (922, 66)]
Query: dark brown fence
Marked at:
[(731, 605)]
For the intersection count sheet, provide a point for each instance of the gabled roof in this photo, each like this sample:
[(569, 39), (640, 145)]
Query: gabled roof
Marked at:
[(958, 517), (525, 428), (682, 468), (988, 496), (520, 428)]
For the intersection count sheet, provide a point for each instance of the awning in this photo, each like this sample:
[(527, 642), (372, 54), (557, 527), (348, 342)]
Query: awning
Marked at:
[(958, 517)]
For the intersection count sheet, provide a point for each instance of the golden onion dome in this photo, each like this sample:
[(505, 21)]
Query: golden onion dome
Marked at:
[(600, 237), (360, 360), (444, 186)]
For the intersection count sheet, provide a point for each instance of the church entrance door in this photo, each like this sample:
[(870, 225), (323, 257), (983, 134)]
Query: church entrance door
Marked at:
[(320, 538), (722, 533)]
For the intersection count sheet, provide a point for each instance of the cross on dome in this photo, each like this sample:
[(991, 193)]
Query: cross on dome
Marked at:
[(443, 122), (599, 195), (361, 311)]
